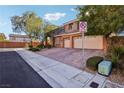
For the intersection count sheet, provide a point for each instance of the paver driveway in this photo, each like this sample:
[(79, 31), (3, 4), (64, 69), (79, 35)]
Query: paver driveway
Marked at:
[(71, 57), (15, 72)]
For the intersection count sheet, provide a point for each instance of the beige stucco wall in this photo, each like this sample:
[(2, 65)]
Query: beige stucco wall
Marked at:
[(93, 42), (90, 42)]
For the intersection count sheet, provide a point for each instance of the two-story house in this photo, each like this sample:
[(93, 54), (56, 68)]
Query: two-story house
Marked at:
[(71, 32), (69, 36)]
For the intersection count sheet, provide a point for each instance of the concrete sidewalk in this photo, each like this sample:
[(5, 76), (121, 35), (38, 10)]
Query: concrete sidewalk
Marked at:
[(60, 75)]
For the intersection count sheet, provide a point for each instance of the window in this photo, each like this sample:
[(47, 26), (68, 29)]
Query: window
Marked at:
[(77, 25), (70, 26)]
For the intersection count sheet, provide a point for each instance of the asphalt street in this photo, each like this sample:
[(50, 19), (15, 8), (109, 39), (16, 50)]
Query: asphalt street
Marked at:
[(16, 73)]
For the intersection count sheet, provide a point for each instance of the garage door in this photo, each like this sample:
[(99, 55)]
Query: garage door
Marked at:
[(93, 42), (77, 42), (90, 42), (67, 43)]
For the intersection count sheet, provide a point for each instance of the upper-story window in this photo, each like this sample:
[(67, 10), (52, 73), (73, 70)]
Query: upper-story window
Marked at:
[(77, 25), (70, 26)]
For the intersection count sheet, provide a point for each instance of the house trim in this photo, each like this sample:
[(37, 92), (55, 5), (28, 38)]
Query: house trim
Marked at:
[(68, 34)]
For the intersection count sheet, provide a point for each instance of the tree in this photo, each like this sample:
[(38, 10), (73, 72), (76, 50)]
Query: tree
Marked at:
[(49, 27), (16, 22), (29, 23), (32, 25), (2, 37), (102, 20)]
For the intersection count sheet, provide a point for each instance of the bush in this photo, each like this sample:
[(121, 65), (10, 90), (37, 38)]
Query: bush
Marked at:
[(116, 54), (30, 46), (114, 60), (40, 46), (121, 66), (117, 50), (93, 62), (34, 49)]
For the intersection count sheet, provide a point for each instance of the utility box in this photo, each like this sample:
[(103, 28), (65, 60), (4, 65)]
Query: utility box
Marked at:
[(105, 67)]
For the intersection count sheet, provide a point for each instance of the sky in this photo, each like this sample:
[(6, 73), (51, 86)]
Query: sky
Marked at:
[(55, 14)]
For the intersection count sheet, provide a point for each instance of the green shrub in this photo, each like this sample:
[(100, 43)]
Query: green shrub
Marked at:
[(93, 62), (30, 46), (40, 46), (114, 60), (121, 66), (116, 54), (118, 50), (34, 49)]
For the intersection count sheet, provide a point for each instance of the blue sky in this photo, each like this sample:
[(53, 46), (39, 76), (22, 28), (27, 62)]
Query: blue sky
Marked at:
[(52, 13)]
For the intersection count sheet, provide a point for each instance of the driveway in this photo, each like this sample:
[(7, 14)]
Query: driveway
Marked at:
[(71, 57), (16, 73)]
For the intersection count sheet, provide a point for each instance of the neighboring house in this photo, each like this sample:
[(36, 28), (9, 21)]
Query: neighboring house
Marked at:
[(69, 36), (19, 38), (2, 36)]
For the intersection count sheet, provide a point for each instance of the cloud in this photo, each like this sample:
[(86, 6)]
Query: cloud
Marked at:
[(72, 9), (3, 23), (54, 16)]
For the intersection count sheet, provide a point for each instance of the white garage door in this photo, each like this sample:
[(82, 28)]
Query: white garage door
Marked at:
[(77, 42), (93, 42), (67, 43), (90, 42)]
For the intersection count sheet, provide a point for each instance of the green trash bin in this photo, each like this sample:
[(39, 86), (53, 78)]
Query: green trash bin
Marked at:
[(105, 67)]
